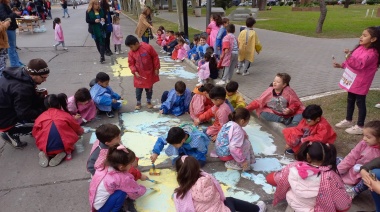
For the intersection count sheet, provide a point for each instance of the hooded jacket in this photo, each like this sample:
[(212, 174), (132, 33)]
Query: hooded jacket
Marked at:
[(18, 98)]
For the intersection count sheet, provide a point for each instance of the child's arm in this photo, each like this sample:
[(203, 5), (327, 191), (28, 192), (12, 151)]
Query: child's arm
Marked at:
[(74, 125), (130, 186), (350, 160), (240, 102), (206, 115), (158, 147), (92, 160), (359, 63), (258, 46), (236, 138), (260, 102), (113, 94), (132, 63), (323, 133)]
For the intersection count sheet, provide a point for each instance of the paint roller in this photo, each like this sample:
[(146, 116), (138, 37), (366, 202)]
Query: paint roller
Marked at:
[(154, 171)]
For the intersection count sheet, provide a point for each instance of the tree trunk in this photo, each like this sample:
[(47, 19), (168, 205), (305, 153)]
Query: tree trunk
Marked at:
[(254, 4), (170, 5), (194, 4), (180, 16), (346, 3), (261, 4), (322, 16)]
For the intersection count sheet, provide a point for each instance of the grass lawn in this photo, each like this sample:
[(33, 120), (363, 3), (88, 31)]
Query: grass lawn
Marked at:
[(334, 110)]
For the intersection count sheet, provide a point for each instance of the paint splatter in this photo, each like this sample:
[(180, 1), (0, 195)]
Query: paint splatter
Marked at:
[(230, 177), (93, 138), (242, 194), (259, 180), (267, 165), (262, 142)]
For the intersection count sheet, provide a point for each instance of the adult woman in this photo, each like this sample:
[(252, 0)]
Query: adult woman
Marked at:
[(144, 28), (96, 27), (108, 13), (6, 12)]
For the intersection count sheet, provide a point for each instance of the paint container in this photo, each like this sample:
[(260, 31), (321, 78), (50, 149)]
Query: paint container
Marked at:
[(153, 171)]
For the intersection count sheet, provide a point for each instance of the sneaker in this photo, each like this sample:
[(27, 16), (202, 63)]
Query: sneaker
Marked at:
[(57, 159), (43, 159), (231, 164), (351, 192), (289, 151), (245, 73), (64, 48), (149, 105), (355, 130), (287, 121), (63, 16), (377, 105), (262, 206), (221, 82), (344, 124), (116, 52), (102, 60), (110, 114), (199, 84), (138, 106), (238, 71), (68, 157), (13, 140), (178, 60), (68, 16), (157, 106)]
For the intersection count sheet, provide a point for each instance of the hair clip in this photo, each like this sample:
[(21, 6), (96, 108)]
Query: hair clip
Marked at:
[(310, 143), (122, 147), (183, 158)]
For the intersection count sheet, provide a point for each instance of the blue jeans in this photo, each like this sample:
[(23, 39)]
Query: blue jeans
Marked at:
[(145, 39), (115, 202), (149, 93), (12, 53), (276, 118), (65, 11), (376, 196)]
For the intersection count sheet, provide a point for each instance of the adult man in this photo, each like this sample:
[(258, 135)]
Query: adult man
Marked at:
[(20, 104)]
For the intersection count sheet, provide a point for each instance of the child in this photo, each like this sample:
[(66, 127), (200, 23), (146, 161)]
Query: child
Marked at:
[(313, 127), (111, 185), (183, 140), (81, 106), (168, 39), (233, 96), (55, 131), (145, 65), (200, 101), (201, 50), (108, 135), (4, 44), (219, 111), (183, 48), (204, 69), (312, 183), (169, 48), (362, 62), (199, 191), (248, 43), (213, 28), (219, 37), (279, 103), (58, 33), (160, 36), (232, 144), (229, 57), (365, 151), (104, 97), (177, 100), (117, 35), (191, 54)]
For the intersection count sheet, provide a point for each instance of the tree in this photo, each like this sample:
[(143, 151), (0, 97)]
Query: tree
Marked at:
[(180, 16), (346, 3), (261, 4), (322, 16), (170, 5)]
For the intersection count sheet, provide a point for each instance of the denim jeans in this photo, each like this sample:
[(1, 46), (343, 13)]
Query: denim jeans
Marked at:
[(149, 93), (145, 39), (114, 202), (12, 53), (276, 118), (360, 102), (65, 11), (376, 196)]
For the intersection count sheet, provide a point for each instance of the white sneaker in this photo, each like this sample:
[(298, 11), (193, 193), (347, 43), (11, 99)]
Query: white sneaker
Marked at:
[(55, 47), (344, 124), (162, 51), (355, 130), (64, 48), (57, 159), (116, 52), (231, 164), (221, 82), (199, 84), (237, 71), (43, 159), (178, 60), (262, 206), (245, 73), (377, 105)]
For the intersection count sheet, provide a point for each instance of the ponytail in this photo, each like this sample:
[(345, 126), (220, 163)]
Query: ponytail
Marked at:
[(62, 98), (212, 62), (56, 101), (188, 172), (318, 151), (239, 114)]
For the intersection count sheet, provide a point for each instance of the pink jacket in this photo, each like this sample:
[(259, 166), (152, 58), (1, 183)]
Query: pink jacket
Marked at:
[(87, 111), (221, 117), (361, 154), (204, 71), (332, 195), (182, 52), (228, 43), (114, 180), (199, 104), (117, 36), (214, 32), (238, 142), (362, 62), (58, 33), (205, 195)]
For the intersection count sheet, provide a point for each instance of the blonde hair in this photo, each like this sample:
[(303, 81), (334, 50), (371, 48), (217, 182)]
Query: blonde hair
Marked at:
[(91, 5), (114, 19)]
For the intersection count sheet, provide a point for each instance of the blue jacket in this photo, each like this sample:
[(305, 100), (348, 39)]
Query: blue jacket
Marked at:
[(176, 105), (192, 51), (196, 145), (103, 98), (219, 38), (201, 50)]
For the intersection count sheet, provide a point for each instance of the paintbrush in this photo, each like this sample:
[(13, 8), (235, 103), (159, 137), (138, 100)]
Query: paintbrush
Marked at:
[(155, 189), (153, 181)]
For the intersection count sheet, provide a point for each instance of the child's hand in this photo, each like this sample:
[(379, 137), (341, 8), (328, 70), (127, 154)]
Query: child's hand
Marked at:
[(153, 157), (244, 165), (213, 138), (137, 74), (77, 116), (286, 111), (114, 100), (346, 51), (337, 65), (287, 146), (144, 177), (161, 112), (196, 122), (157, 72)]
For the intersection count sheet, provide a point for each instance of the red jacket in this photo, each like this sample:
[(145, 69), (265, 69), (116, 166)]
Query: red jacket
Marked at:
[(144, 61), (67, 127)]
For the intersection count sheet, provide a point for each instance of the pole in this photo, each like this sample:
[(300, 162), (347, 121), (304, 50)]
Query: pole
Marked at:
[(185, 20), (208, 12)]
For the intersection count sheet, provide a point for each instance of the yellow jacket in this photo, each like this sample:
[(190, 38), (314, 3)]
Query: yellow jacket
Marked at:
[(236, 100), (248, 42)]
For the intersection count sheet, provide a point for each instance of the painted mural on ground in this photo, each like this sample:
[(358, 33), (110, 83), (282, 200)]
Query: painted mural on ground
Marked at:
[(169, 68)]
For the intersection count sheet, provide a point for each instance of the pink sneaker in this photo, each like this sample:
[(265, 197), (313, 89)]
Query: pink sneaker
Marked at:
[(344, 124), (355, 130), (68, 157)]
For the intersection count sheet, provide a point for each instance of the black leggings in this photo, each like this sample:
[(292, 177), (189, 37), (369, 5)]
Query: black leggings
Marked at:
[(21, 129), (240, 205), (360, 102), (100, 47), (108, 42)]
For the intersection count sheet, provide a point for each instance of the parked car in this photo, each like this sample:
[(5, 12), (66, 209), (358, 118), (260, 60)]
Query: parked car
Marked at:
[(189, 4), (235, 2), (246, 3), (272, 2), (204, 4)]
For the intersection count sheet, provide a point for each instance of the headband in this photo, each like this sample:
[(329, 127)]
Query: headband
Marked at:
[(122, 147), (183, 158)]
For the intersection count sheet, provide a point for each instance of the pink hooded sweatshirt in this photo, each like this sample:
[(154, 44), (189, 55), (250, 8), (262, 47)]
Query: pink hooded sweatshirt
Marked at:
[(205, 195), (58, 33), (182, 52), (204, 71), (117, 36), (87, 111), (214, 32), (360, 154)]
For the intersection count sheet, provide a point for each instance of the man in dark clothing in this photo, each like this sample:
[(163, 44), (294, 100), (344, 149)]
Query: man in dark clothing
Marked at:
[(64, 7), (20, 103)]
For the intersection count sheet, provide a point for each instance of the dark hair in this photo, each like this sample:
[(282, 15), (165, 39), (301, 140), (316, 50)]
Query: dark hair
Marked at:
[(131, 40), (180, 87), (188, 172), (102, 77), (116, 157), (217, 92), (232, 86), (145, 12), (250, 22), (312, 112), (203, 37), (206, 87), (115, 18), (175, 135), (181, 40), (319, 152), (374, 32), (196, 38), (82, 95), (162, 31), (210, 49), (225, 20), (238, 114), (105, 6), (207, 56), (171, 32), (230, 28), (218, 19), (375, 126), (56, 21), (161, 28), (107, 132), (58, 101), (177, 34), (285, 77)]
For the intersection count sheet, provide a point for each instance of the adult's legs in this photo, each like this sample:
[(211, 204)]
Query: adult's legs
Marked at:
[(145, 39), (12, 136), (100, 47), (240, 205), (360, 102), (12, 52), (108, 43), (3, 59), (351, 99), (114, 202)]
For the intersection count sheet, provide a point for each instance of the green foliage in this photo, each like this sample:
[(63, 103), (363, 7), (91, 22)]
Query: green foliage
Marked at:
[(372, 2), (282, 3), (223, 3)]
